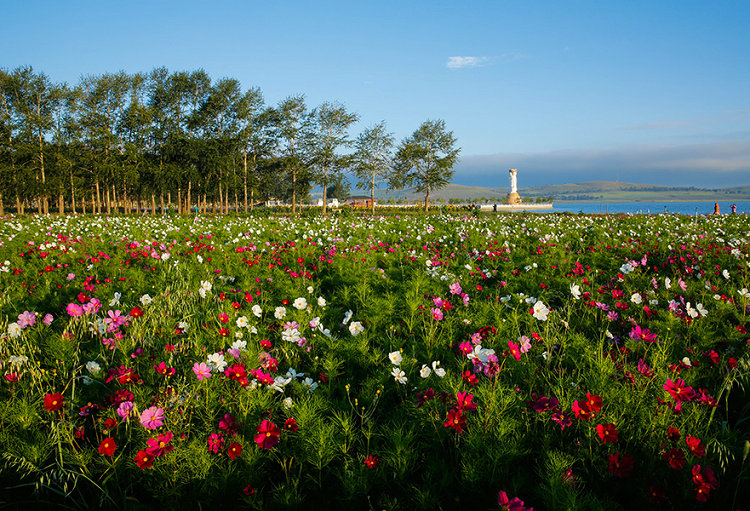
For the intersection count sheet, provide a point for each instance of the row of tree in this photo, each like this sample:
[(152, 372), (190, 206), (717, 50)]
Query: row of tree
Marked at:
[(122, 140)]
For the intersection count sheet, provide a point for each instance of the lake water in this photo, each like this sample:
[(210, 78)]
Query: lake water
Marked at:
[(681, 208)]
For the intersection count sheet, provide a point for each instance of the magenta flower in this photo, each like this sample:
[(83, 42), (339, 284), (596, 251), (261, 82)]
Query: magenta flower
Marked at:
[(643, 334), (152, 417), (160, 446), (455, 288), (202, 370), (437, 314), (525, 344), (48, 319), (215, 442)]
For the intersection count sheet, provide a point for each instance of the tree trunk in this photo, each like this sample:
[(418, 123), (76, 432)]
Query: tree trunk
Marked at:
[(169, 198), (252, 200), (187, 198), (294, 192), (372, 199), (153, 205), (2, 208), (427, 199), (325, 192), (98, 201), (109, 202), (236, 203), (161, 200), (179, 201), (60, 204), (244, 176)]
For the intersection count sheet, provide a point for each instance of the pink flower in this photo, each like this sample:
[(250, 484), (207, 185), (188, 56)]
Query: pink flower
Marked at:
[(26, 319), (455, 288), (47, 319), (437, 314), (124, 409), (74, 310), (202, 370), (152, 417), (525, 344)]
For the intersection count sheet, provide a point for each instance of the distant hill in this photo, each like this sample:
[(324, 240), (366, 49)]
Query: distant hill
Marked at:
[(597, 191)]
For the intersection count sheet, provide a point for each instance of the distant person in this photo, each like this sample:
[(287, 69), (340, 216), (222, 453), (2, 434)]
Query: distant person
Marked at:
[(734, 209), (494, 207), (716, 208)]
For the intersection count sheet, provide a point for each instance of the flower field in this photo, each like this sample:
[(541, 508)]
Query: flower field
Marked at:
[(554, 362)]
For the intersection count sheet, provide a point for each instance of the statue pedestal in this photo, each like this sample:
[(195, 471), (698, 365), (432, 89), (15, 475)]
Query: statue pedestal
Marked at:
[(514, 198)]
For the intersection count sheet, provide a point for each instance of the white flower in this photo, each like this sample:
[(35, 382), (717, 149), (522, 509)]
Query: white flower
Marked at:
[(202, 292), (545, 355), (725, 274), (686, 361), (575, 290), (239, 345), (165, 256), (636, 298), (257, 311), (321, 302), (18, 360), (425, 371), (667, 282), (146, 299), (291, 373), (347, 317), (279, 312), (395, 357), (115, 301), (288, 403), (540, 311), (438, 370), (310, 289), (701, 309), (690, 311), (14, 330), (93, 367), (183, 325), (216, 361), (743, 291), (206, 284), (308, 382), (200, 259), (300, 303), (291, 335), (279, 383), (242, 322), (356, 328), (399, 375)]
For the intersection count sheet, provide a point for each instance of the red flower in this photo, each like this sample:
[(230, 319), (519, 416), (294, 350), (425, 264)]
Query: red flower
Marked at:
[(593, 402), (582, 411), (136, 312), (679, 390), (694, 444), (234, 450), (621, 467), (290, 424), (673, 434), (372, 462), (470, 378), (144, 460), (465, 401), (656, 494), (53, 402), (455, 420), (268, 434), (675, 457), (107, 447), (248, 490), (607, 433)]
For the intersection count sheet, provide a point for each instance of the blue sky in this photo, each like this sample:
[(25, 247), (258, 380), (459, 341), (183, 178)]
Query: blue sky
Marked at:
[(640, 91)]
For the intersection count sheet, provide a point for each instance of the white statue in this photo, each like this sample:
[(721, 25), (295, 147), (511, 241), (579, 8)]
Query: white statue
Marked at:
[(513, 180)]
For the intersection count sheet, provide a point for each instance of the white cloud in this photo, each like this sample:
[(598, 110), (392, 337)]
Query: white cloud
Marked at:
[(462, 62)]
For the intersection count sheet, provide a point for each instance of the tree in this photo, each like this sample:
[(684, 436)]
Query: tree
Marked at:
[(293, 124), (373, 158), (426, 159), (329, 133)]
